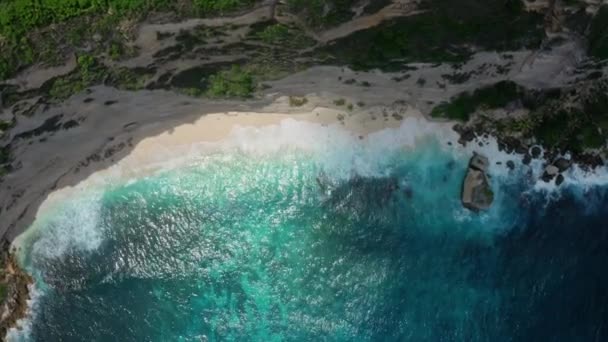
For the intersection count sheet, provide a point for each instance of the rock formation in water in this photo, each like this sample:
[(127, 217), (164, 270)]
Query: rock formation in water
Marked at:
[(476, 191)]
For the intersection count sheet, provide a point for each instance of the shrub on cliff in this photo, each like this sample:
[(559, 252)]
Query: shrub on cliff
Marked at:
[(598, 36), (234, 82)]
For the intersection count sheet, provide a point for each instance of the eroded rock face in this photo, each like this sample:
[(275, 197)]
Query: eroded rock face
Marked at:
[(15, 282), (562, 164), (477, 193)]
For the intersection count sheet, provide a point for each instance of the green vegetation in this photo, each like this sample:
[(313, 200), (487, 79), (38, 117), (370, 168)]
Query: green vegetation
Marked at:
[(202, 7), (4, 125), (116, 51), (322, 13), (3, 292), (295, 101), (572, 120), (276, 33), (4, 155), (340, 102), (4, 159), (282, 36), (234, 82), (87, 73), (582, 126), (19, 17), (91, 72), (441, 34), (598, 36), (462, 106), (77, 20)]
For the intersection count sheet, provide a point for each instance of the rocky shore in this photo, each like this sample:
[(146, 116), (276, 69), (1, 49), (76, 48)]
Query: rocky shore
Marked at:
[(14, 289)]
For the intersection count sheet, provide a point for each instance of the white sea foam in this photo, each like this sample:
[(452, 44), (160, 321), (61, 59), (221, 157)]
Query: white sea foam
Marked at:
[(70, 225), (342, 153), (75, 225)]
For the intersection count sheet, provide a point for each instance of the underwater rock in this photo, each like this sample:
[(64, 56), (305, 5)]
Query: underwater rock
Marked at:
[(476, 191)]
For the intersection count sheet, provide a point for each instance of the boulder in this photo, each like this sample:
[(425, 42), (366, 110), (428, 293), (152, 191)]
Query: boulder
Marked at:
[(562, 164), (511, 164), (479, 162), (559, 180), (476, 191), (550, 172), (535, 151)]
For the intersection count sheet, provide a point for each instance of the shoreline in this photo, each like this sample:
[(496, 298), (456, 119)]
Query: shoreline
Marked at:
[(153, 153), (181, 143), (161, 144), (141, 122)]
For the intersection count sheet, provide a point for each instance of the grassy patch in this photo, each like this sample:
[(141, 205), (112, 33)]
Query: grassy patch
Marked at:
[(598, 36), (3, 287), (5, 125), (572, 120), (87, 73), (295, 101), (5, 155), (22, 45), (234, 82), (90, 72), (203, 7), (442, 34), (273, 34), (322, 13), (281, 36), (462, 106), (340, 102)]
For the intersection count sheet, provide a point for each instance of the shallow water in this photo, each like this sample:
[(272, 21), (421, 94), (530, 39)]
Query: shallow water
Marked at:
[(361, 241)]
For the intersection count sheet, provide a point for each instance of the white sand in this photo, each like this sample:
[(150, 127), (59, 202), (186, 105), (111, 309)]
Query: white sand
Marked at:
[(142, 131)]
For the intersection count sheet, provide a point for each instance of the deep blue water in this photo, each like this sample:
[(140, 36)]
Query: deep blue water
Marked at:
[(235, 247)]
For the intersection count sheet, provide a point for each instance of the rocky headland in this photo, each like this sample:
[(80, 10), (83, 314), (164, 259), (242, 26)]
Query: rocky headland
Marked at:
[(14, 289)]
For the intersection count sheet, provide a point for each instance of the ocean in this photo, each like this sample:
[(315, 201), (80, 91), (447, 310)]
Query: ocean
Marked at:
[(303, 232)]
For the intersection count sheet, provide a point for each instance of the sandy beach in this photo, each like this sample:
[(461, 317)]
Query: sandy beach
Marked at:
[(148, 129)]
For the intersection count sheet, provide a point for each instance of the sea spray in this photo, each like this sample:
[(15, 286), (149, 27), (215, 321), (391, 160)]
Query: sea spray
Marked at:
[(299, 231)]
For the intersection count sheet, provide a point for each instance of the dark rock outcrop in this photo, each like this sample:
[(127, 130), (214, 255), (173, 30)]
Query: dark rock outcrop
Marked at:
[(551, 171), (562, 164), (14, 282), (559, 179), (476, 191), (536, 151)]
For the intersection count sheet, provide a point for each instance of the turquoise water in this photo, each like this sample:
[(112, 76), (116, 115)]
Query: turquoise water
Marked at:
[(285, 246)]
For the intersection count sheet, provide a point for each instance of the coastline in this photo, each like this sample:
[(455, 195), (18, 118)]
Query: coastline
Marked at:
[(56, 147), (145, 104), (186, 141), (160, 145), (175, 143)]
